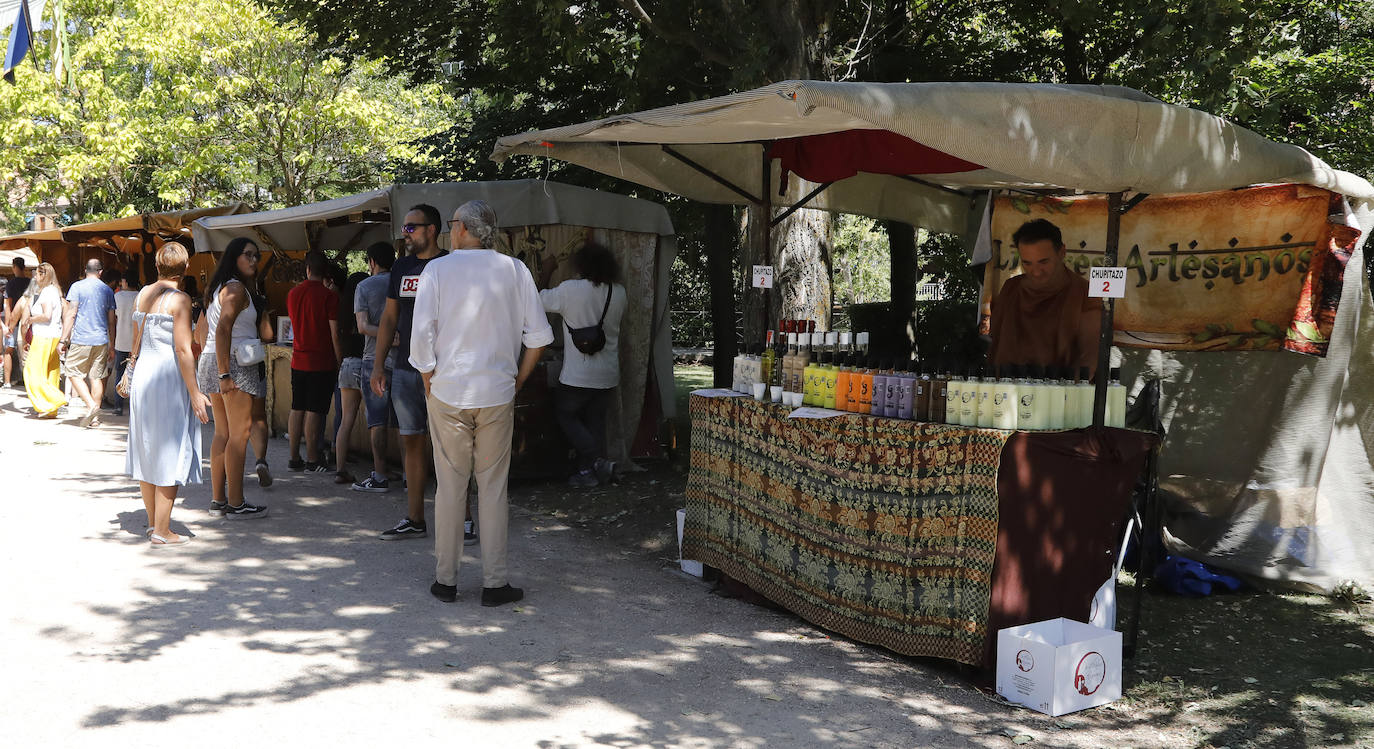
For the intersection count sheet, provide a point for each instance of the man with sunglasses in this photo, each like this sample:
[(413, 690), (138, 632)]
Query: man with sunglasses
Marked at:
[(420, 232)]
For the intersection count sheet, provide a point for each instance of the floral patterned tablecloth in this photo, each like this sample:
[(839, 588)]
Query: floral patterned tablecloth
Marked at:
[(879, 529)]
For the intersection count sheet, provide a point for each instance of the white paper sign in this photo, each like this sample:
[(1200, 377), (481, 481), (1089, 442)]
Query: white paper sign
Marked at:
[(763, 277), (1107, 282), (717, 393), (810, 412)]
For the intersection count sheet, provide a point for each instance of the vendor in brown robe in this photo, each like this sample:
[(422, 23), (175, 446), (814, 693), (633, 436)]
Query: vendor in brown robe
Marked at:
[(1044, 316)]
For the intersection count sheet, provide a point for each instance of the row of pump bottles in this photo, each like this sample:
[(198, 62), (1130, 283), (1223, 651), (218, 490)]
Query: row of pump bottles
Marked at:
[(835, 370)]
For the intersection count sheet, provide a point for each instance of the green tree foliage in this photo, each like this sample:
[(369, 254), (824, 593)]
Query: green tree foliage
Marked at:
[(182, 103)]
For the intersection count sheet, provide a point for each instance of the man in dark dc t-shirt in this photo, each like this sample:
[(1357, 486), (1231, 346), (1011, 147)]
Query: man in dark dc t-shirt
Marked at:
[(315, 356), (420, 231)]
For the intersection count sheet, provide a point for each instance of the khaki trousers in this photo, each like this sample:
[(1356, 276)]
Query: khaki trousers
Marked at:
[(471, 442)]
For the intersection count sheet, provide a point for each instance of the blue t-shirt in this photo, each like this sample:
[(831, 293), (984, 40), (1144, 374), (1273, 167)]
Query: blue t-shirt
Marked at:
[(405, 281), (370, 297), (93, 300)]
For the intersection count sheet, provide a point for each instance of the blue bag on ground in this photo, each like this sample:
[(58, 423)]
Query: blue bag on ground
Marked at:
[(1188, 577)]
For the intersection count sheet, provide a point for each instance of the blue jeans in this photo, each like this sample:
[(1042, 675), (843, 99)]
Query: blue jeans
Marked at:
[(121, 361)]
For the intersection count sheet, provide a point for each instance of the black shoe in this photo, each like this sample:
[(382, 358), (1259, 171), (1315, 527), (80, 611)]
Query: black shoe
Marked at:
[(317, 467), (405, 529), (264, 474), (245, 510), (502, 595), (469, 534), (295, 464), (605, 470), (445, 593)]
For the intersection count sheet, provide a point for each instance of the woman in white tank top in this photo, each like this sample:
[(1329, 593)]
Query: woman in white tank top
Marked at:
[(231, 317)]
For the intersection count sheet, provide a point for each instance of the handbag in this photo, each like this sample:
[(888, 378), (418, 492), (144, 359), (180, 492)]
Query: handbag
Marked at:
[(592, 338), (249, 351)]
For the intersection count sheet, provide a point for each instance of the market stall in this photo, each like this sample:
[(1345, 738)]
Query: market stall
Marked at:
[(539, 219), (941, 156), (120, 243)]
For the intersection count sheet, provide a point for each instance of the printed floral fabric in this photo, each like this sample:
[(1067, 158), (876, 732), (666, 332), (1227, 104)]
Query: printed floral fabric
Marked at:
[(879, 529)]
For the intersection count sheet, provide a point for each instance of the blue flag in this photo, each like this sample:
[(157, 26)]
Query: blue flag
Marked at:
[(21, 40)]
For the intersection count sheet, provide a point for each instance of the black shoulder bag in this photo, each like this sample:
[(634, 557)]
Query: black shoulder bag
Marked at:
[(592, 339)]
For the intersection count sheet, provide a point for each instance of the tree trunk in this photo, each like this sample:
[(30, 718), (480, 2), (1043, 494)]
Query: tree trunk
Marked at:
[(800, 256), (720, 261), (900, 336)]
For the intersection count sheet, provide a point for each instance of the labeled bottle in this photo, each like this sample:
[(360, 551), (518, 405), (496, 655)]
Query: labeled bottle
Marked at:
[(830, 375), (1027, 388), (879, 397), (982, 406), (1116, 401), (922, 387), (892, 404), (907, 393), (954, 398), (866, 387), (968, 398), (939, 396), (842, 382), (767, 358)]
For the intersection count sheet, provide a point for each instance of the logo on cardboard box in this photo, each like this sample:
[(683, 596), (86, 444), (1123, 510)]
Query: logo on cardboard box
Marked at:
[(1025, 661), (1091, 672)]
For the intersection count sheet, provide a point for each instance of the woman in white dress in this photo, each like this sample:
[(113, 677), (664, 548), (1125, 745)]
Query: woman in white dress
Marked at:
[(166, 406)]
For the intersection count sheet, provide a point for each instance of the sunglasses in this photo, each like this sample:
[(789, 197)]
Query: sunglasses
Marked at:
[(410, 228)]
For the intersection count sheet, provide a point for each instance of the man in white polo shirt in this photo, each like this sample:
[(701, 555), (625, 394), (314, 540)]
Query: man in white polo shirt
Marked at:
[(474, 309)]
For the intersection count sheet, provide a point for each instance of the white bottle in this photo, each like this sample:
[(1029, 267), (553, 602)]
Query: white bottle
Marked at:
[(1116, 401), (1026, 391), (968, 400), (1054, 400), (953, 399), (1004, 402)]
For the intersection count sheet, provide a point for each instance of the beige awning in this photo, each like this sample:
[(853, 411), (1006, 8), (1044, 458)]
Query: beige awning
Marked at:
[(131, 234), (1025, 136)]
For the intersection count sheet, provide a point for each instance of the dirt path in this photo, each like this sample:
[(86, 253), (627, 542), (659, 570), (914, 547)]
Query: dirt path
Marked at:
[(303, 626)]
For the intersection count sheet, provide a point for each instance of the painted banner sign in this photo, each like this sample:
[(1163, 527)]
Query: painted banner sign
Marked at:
[(1253, 269)]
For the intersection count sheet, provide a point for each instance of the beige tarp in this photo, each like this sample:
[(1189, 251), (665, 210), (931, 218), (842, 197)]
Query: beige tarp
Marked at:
[(1091, 138), (638, 231)]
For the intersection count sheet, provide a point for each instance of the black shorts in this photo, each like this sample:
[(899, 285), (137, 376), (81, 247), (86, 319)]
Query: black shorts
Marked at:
[(312, 391)]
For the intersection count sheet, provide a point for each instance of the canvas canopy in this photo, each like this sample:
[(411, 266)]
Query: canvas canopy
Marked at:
[(1090, 138), (638, 231), (1266, 467)]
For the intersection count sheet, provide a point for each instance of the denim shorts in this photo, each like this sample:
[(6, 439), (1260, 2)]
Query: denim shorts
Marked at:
[(351, 373), (408, 400), (378, 407)]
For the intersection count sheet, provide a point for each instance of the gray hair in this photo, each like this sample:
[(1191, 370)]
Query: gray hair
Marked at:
[(480, 220)]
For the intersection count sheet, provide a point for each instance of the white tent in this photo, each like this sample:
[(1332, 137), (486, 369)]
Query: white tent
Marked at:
[(628, 225), (7, 258), (1273, 476)]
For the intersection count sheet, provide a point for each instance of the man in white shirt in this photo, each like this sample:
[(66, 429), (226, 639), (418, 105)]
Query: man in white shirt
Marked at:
[(474, 309)]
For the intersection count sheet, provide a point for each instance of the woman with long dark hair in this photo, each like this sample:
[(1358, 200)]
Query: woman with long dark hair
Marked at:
[(588, 381), (231, 316)]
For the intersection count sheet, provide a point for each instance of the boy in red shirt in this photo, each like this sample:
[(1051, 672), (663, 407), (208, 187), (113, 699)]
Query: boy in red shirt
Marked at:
[(315, 355)]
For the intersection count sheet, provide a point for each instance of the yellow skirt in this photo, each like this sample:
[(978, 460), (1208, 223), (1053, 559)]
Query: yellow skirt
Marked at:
[(41, 377)]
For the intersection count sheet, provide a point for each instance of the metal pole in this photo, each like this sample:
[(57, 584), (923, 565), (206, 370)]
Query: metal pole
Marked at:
[(1104, 339), (766, 217)]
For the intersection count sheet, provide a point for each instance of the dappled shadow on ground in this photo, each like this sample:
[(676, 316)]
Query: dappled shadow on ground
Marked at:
[(310, 603), (1257, 670)]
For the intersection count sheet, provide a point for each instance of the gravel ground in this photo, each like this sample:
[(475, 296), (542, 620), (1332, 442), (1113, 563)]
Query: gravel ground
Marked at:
[(303, 626)]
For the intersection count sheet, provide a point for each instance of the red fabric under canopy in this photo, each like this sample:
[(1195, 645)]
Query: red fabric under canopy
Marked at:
[(831, 157)]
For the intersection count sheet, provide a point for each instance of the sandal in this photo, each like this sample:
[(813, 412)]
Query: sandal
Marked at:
[(158, 541)]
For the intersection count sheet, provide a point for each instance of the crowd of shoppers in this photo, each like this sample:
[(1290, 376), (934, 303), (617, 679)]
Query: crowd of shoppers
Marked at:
[(434, 343)]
